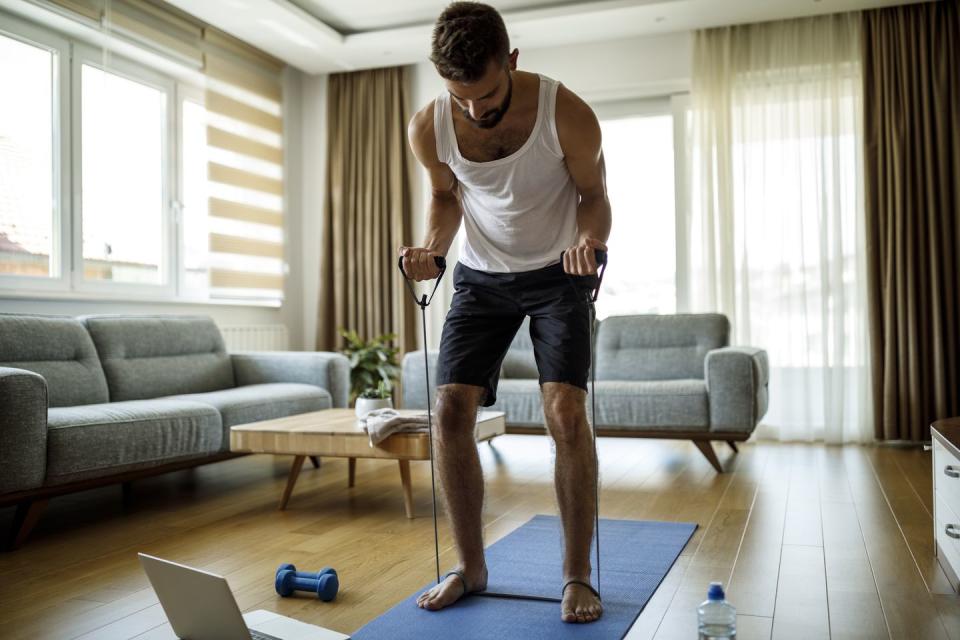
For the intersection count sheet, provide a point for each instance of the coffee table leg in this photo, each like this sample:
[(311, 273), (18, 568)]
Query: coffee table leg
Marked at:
[(351, 471), (407, 487), (291, 480)]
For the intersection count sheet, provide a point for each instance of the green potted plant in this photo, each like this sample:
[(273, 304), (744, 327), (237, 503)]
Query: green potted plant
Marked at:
[(373, 398), (372, 362)]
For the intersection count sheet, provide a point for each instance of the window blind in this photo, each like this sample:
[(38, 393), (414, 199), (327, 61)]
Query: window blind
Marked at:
[(243, 99)]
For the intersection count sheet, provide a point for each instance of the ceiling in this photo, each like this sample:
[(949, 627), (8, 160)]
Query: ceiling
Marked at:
[(374, 15), (325, 36)]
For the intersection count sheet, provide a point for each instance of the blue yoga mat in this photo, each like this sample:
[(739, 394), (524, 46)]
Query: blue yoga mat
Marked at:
[(635, 555)]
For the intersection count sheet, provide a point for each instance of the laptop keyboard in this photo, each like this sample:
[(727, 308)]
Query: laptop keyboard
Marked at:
[(256, 635)]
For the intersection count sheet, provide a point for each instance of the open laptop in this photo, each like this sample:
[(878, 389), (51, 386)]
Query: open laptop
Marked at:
[(200, 606)]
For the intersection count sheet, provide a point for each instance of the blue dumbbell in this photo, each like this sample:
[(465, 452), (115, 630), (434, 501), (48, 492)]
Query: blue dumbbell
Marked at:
[(325, 586), (305, 574)]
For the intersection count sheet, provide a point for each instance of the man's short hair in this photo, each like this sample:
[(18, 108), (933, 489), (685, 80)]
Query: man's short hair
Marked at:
[(466, 37)]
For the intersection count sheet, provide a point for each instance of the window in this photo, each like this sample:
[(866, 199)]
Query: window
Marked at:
[(123, 202), (140, 178), (28, 185), (639, 154)]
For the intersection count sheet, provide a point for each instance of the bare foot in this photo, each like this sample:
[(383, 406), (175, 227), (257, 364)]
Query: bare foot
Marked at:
[(451, 590), (580, 604)]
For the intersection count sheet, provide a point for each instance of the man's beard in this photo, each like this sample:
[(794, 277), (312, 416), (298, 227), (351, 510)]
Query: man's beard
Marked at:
[(491, 119)]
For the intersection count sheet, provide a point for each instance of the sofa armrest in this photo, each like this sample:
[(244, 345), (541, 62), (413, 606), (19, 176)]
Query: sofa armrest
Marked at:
[(412, 381), (321, 368), (23, 430), (737, 379)]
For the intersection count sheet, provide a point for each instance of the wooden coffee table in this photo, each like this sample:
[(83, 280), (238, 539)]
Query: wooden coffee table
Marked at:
[(337, 433)]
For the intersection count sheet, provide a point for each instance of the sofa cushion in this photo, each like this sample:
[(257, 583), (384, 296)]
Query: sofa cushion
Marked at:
[(519, 361), (59, 349), (153, 356), (520, 399), (654, 347), (657, 404), (260, 402), (103, 439), (652, 404)]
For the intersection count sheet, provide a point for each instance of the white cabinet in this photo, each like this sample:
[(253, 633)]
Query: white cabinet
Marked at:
[(946, 509)]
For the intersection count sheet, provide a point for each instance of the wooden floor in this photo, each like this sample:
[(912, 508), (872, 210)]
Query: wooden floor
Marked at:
[(813, 541)]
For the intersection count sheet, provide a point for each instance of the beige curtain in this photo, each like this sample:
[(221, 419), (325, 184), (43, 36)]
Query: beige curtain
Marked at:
[(367, 212), (911, 57), (775, 217)]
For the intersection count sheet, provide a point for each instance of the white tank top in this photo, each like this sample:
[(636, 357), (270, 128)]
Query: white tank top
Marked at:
[(519, 212)]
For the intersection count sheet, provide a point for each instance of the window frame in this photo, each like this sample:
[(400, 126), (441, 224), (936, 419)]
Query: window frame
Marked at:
[(60, 250), (680, 107), (122, 67)]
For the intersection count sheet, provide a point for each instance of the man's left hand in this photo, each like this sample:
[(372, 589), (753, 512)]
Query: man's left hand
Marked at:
[(579, 260)]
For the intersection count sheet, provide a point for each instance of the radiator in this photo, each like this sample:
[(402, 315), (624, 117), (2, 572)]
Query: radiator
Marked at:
[(255, 337)]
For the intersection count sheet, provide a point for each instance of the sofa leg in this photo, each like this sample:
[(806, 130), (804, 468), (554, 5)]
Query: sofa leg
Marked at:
[(733, 445), (28, 514), (315, 461), (706, 448)]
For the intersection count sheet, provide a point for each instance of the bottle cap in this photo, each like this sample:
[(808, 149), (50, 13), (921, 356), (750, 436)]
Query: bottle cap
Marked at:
[(715, 592)]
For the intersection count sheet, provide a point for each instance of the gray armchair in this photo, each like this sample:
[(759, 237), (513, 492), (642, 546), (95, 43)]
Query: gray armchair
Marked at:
[(657, 376)]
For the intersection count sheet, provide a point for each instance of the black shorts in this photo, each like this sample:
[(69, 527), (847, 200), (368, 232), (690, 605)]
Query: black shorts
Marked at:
[(488, 309)]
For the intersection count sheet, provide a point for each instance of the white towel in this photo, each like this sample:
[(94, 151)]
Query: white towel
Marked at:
[(380, 424)]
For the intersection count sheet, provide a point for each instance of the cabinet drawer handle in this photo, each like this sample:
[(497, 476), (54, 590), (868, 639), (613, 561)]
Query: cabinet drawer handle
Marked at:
[(951, 530), (951, 471)]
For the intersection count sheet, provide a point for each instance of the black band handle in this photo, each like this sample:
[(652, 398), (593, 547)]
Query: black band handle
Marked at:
[(440, 261), (600, 256), (423, 302)]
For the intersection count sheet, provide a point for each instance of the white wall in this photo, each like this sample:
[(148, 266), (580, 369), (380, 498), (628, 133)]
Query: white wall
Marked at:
[(291, 312), (313, 158), (641, 67)]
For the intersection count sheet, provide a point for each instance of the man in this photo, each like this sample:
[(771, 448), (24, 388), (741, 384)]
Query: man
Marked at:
[(516, 157)]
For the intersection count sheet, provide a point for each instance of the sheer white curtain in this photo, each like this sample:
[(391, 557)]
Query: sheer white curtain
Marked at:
[(775, 214)]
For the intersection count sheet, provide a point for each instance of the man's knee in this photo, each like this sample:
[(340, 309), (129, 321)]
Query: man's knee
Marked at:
[(565, 411), (457, 408)]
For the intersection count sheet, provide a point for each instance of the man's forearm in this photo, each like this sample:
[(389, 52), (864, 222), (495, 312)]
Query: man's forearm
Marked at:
[(593, 218), (443, 222)]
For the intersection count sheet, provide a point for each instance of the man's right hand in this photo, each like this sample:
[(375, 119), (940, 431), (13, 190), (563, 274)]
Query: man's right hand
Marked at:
[(419, 263)]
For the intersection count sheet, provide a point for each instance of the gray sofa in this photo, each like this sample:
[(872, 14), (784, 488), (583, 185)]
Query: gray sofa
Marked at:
[(103, 399), (658, 376)]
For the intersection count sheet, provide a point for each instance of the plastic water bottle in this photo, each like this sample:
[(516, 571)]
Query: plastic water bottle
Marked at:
[(716, 618)]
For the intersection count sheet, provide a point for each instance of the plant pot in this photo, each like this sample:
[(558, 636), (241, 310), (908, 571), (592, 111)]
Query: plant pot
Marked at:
[(366, 405)]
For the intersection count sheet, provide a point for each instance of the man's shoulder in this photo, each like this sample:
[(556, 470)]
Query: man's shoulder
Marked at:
[(423, 119), (420, 128), (420, 132), (571, 107)]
